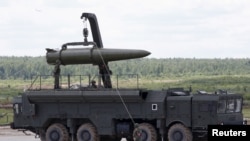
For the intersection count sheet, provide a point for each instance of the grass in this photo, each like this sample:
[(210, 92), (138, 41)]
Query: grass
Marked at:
[(246, 112), (6, 116), (233, 83)]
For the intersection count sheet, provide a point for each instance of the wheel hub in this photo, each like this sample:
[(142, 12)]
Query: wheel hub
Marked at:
[(144, 135), (86, 136), (177, 136), (54, 136)]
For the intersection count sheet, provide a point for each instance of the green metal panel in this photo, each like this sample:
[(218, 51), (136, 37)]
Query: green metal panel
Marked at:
[(179, 109)]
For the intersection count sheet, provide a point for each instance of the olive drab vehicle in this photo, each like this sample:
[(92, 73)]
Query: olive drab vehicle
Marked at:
[(77, 112)]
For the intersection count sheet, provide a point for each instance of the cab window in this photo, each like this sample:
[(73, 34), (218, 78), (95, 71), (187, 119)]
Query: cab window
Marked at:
[(229, 106)]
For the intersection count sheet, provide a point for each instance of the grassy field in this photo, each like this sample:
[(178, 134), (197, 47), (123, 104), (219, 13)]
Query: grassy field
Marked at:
[(6, 116), (232, 83), (246, 112)]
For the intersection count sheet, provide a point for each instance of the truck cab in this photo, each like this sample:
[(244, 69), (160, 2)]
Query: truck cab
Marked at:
[(197, 111)]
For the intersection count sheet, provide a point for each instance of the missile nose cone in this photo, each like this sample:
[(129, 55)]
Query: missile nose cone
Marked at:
[(137, 53), (123, 54), (145, 53)]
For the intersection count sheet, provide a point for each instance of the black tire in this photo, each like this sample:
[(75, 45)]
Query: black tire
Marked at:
[(145, 132), (179, 132), (87, 132), (57, 132)]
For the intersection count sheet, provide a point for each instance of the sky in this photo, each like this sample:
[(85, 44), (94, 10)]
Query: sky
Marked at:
[(166, 28)]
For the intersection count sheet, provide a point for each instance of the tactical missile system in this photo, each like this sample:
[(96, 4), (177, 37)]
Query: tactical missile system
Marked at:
[(103, 112)]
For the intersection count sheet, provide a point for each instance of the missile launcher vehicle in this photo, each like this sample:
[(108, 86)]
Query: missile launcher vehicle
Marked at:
[(102, 112)]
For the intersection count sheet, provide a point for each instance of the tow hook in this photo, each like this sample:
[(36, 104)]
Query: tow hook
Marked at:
[(24, 131)]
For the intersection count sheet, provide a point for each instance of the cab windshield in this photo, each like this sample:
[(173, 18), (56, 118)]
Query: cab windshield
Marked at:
[(232, 105)]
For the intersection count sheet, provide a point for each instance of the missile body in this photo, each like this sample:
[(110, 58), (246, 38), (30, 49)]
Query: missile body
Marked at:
[(92, 55)]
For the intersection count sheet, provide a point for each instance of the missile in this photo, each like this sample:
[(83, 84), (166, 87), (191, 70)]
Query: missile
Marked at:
[(71, 56)]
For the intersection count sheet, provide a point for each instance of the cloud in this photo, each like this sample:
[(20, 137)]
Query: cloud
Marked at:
[(166, 28)]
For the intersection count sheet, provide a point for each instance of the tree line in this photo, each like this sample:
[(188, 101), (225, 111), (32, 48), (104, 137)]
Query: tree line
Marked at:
[(26, 67)]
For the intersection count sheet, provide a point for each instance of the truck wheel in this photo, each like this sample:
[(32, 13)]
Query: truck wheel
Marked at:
[(145, 132), (57, 132), (179, 132), (87, 132)]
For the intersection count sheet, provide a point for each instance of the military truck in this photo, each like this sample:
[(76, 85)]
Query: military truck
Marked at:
[(63, 112)]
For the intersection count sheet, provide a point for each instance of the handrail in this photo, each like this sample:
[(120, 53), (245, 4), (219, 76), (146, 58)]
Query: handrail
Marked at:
[(78, 81), (33, 82)]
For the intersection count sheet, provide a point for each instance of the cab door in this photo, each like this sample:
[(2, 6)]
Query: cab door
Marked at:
[(179, 109), (204, 110)]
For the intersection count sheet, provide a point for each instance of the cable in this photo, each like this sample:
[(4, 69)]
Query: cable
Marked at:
[(85, 34), (117, 91)]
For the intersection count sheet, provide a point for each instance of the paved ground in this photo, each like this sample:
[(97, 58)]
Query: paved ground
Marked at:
[(7, 131), (7, 134)]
